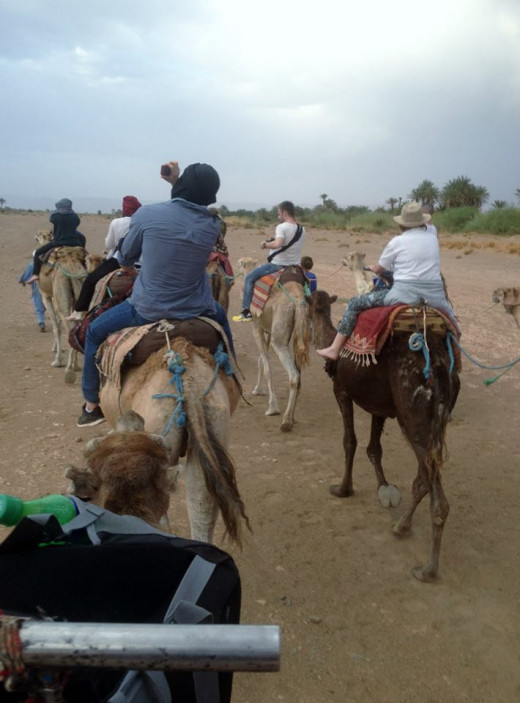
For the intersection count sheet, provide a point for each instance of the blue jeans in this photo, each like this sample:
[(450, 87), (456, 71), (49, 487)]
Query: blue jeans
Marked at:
[(114, 319), (252, 277), (39, 307)]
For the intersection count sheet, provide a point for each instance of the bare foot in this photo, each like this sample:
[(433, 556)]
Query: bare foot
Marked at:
[(32, 279), (328, 353), (75, 315)]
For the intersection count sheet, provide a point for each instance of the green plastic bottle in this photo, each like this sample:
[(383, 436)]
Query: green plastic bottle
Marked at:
[(13, 509)]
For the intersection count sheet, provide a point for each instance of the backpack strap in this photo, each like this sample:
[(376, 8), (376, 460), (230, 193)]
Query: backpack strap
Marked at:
[(297, 235)]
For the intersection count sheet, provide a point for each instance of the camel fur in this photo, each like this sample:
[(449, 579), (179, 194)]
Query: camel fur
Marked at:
[(127, 472), (208, 401), (220, 283), (510, 299), (355, 262), (60, 282), (283, 325), (395, 387)]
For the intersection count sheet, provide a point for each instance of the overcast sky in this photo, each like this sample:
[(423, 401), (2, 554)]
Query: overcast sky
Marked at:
[(287, 99)]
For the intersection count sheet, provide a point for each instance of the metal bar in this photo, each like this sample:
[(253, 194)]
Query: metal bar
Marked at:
[(155, 647)]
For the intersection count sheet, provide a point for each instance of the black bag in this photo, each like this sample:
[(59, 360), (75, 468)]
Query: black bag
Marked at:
[(130, 575), (78, 333)]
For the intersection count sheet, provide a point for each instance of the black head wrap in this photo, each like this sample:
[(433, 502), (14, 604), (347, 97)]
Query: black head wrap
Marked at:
[(199, 184)]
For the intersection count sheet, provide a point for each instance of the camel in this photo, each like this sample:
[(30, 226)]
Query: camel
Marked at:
[(395, 387), (127, 472), (220, 283), (510, 299), (180, 395), (60, 282), (284, 318), (355, 262)]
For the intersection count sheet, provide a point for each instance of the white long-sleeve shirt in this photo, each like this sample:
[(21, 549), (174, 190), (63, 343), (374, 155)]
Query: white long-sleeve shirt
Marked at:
[(118, 228)]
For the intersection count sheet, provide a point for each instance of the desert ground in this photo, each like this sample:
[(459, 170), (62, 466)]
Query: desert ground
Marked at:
[(356, 626)]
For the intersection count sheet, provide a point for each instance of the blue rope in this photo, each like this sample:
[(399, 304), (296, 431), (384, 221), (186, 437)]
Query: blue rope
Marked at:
[(450, 351), (488, 381), (221, 362), (418, 343), (176, 368)]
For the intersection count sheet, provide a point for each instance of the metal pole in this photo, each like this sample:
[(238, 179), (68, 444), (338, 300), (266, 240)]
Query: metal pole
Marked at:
[(155, 647)]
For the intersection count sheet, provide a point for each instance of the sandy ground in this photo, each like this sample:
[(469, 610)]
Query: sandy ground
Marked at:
[(356, 626)]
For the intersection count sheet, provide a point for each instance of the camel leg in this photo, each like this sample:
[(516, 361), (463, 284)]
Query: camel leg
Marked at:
[(439, 510), (262, 344), (202, 509), (345, 489), (421, 486), (70, 370), (56, 330), (388, 494), (287, 362)]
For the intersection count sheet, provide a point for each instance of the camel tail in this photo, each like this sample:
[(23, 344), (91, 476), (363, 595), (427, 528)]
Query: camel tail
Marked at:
[(301, 334), (206, 448)]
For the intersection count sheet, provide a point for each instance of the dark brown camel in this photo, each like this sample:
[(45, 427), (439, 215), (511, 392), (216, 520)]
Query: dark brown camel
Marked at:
[(395, 387)]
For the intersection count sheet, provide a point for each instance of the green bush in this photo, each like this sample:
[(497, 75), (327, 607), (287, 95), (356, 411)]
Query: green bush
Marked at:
[(456, 219), (498, 221)]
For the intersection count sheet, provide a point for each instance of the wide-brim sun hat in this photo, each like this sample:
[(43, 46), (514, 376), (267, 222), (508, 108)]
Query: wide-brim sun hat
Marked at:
[(412, 216)]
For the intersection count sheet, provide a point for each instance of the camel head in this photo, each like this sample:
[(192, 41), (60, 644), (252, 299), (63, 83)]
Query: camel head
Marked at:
[(354, 261), (93, 261), (127, 471), (246, 264), (507, 296), (43, 236)]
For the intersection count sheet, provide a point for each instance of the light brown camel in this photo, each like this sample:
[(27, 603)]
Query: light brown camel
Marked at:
[(60, 282), (395, 387), (355, 262), (127, 472), (510, 299), (282, 324), (180, 395)]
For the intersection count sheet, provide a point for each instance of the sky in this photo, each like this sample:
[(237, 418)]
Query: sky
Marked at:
[(288, 100)]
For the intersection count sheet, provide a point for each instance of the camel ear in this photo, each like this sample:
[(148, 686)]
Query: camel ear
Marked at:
[(91, 445), (159, 439), (333, 299), (82, 482)]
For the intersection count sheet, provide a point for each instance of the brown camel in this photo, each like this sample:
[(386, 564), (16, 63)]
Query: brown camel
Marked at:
[(220, 283), (395, 387), (181, 396), (60, 282), (510, 299), (283, 320)]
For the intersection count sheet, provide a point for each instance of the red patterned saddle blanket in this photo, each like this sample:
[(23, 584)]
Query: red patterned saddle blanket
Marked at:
[(263, 286), (373, 327)]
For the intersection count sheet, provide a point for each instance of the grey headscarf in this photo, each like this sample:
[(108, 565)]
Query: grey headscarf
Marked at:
[(64, 206)]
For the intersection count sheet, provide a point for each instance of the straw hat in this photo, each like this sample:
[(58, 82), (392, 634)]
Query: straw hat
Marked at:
[(412, 216)]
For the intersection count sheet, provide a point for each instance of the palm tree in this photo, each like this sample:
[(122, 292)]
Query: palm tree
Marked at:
[(498, 204), (392, 202), (2, 203), (426, 193), (517, 194), (461, 192), (324, 197)]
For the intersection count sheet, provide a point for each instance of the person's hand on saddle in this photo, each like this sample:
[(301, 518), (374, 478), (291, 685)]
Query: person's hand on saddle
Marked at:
[(172, 176)]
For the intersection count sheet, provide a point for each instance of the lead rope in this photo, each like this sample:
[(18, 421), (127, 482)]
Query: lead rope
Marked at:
[(487, 381), (417, 342)]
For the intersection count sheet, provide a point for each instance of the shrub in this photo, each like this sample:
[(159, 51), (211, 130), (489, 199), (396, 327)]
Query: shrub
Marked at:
[(497, 221), (456, 219)]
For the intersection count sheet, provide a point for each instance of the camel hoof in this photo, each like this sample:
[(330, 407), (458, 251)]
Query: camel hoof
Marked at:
[(401, 528), (424, 574), (272, 412), (286, 427), (58, 364), (258, 391), (336, 489), (70, 377), (389, 496)]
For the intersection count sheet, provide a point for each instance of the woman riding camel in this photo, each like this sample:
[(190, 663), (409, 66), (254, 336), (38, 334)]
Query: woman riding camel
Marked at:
[(414, 258)]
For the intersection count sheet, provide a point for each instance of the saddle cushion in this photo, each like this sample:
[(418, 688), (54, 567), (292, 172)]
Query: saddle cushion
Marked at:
[(374, 325), (115, 283)]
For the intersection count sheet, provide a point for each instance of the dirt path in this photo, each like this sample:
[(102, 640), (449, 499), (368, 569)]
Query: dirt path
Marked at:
[(356, 626)]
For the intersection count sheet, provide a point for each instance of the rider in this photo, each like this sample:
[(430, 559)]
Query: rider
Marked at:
[(286, 247), (414, 258), (65, 234), (175, 239)]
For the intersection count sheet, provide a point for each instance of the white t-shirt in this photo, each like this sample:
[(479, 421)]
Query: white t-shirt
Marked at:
[(118, 228), (431, 228), (413, 255), (293, 255)]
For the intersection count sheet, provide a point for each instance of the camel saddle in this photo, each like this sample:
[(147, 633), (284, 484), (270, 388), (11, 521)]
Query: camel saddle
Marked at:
[(44, 258), (132, 346), (262, 289), (115, 283), (373, 327)]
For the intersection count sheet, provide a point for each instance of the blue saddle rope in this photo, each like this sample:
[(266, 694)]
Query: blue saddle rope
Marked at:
[(417, 343), (221, 363), (487, 381), (176, 368)]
